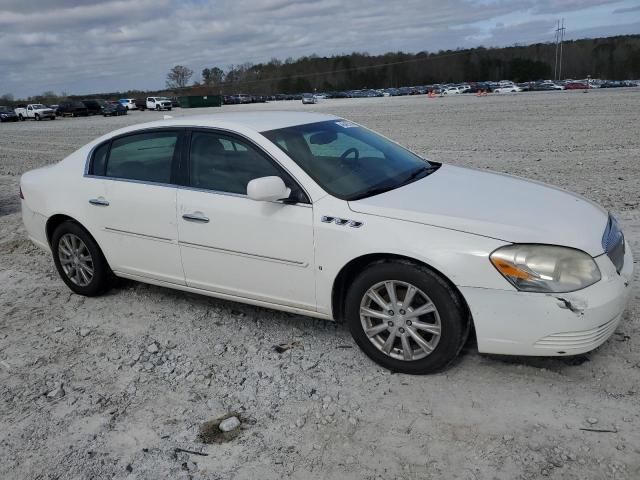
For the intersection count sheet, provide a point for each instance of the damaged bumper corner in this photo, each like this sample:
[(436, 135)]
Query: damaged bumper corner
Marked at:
[(521, 323)]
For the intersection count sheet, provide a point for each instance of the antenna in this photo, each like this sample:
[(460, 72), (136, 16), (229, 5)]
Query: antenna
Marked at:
[(555, 68)]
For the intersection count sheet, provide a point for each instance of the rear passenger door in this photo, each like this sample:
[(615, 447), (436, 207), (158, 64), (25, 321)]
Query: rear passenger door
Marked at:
[(233, 245), (131, 202)]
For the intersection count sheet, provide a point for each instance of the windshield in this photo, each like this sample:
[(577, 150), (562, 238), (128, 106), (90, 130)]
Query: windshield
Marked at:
[(162, 98), (37, 106), (349, 161)]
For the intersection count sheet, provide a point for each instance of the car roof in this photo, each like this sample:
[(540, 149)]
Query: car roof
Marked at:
[(257, 121)]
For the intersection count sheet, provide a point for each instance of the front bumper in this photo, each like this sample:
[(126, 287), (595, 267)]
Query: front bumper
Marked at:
[(539, 324)]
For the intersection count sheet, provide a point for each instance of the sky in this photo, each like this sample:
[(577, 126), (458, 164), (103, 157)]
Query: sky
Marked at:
[(90, 46)]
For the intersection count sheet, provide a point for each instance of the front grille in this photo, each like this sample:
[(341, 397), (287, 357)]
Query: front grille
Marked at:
[(613, 243)]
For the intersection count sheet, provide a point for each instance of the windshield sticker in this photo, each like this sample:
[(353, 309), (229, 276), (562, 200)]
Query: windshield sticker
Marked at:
[(346, 124)]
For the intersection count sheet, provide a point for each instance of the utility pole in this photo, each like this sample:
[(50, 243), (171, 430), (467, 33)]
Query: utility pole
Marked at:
[(555, 68), (562, 29)]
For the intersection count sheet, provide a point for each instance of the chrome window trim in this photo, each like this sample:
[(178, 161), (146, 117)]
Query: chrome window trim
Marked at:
[(87, 164), (239, 195), (130, 180)]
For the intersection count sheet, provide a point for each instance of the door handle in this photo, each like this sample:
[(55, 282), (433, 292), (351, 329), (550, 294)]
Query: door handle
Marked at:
[(196, 217), (101, 202)]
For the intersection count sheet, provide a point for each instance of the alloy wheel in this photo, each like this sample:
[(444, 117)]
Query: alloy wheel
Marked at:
[(400, 320), (75, 259)]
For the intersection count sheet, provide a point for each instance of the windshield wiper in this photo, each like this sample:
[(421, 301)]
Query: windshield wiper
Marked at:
[(372, 191), (419, 173)]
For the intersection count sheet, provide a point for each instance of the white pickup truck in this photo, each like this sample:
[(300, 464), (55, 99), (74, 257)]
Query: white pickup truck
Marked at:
[(158, 103), (37, 111)]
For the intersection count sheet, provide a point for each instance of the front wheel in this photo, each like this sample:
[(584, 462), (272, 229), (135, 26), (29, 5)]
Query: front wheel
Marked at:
[(406, 317), (37, 117), (80, 261)]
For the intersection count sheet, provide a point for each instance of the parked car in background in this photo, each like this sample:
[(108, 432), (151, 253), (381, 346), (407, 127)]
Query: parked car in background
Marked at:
[(309, 98), (36, 111), (513, 88), (576, 86), (140, 103), (451, 91), (174, 102), (158, 103), (72, 108), (111, 109), (54, 107), (128, 103), (7, 115), (94, 106)]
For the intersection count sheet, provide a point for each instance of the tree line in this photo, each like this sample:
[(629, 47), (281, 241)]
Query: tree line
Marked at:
[(613, 58)]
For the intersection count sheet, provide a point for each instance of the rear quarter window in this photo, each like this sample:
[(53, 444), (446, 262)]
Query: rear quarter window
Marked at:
[(99, 161)]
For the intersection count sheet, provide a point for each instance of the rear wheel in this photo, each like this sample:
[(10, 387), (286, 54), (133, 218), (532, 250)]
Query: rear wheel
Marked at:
[(406, 317), (79, 260)]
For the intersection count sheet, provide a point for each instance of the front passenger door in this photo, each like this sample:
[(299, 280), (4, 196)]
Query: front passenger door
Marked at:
[(233, 245)]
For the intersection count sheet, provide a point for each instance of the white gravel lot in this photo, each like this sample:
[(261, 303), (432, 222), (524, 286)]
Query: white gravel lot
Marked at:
[(110, 387)]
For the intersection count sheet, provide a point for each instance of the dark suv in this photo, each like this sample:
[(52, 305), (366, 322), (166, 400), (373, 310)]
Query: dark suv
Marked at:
[(141, 103), (73, 108), (93, 106)]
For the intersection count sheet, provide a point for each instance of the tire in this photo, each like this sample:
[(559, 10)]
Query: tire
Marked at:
[(67, 235), (21, 118), (447, 326), (37, 117)]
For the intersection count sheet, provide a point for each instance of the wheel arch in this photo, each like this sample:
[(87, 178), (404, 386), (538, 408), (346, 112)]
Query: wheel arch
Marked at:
[(59, 218), (356, 265)]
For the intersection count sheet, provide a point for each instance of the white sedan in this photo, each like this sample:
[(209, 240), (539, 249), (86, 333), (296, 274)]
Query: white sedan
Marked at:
[(507, 89), (313, 214)]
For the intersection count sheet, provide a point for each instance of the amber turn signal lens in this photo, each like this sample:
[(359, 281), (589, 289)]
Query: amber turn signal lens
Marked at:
[(509, 269)]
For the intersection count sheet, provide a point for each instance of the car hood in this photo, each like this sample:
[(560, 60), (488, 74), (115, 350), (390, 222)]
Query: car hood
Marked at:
[(494, 205)]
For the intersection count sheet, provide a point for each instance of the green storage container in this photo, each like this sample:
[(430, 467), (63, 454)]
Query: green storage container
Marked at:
[(198, 101)]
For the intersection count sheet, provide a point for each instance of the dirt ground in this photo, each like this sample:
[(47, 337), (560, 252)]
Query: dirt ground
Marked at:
[(84, 396)]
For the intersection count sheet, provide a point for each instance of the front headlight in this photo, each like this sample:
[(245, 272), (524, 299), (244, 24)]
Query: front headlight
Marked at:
[(545, 268)]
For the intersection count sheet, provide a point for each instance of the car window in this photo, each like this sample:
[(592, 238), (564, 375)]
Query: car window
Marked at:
[(145, 156), (226, 164), (99, 161)]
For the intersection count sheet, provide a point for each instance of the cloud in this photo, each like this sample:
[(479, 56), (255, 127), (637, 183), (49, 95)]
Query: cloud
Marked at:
[(88, 46)]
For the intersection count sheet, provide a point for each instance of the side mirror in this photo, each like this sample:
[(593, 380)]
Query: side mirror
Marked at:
[(267, 189)]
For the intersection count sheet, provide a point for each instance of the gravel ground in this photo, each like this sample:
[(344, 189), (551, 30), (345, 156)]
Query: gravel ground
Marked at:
[(110, 387)]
